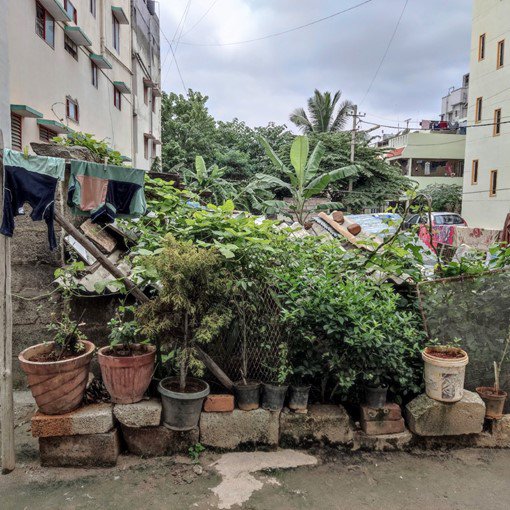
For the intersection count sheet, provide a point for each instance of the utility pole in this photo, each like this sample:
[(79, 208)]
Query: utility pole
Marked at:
[(354, 114)]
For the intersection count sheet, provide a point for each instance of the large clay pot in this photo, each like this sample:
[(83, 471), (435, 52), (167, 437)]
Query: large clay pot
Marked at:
[(126, 378), (57, 386)]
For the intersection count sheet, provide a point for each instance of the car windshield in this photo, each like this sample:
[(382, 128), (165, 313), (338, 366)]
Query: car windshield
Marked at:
[(448, 219)]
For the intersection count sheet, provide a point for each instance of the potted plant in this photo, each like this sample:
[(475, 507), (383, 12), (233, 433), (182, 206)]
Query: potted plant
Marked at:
[(376, 388), (445, 368), (190, 309), (274, 393), (303, 370), (493, 396), (127, 363), (247, 392), (58, 371)]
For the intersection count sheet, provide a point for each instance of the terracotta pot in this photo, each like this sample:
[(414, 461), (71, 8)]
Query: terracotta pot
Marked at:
[(494, 401), (126, 378), (57, 386)]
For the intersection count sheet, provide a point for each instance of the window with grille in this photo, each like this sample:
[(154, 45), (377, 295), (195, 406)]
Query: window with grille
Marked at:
[(478, 109), (16, 132), (45, 135), (71, 10), (493, 183), (501, 53), (44, 24), (95, 75), (497, 122), (481, 47), (474, 172), (70, 47), (117, 98), (72, 109)]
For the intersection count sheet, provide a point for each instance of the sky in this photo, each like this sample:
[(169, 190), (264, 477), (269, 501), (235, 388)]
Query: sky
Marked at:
[(265, 80)]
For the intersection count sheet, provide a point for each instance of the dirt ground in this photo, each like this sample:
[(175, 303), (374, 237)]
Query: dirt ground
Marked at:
[(456, 479)]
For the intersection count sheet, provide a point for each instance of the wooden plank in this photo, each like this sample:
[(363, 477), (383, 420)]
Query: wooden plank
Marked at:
[(6, 395)]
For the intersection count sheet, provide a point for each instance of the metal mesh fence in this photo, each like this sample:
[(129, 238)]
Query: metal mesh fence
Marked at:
[(251, 345), (477, 310)]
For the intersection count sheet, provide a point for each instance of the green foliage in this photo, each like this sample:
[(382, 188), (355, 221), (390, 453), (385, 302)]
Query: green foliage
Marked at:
[(192, 304), (67, 336), (195, 451), (98, 147), (445, 197), (123, 330), (325, 113), (304, 181)]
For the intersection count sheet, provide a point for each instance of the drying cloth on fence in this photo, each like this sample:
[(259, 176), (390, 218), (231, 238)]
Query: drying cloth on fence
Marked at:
[(478, 238), (32, 180), (106, 192), (505, 233)]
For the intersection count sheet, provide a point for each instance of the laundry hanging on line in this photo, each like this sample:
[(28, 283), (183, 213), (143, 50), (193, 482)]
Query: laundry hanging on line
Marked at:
[(106, 192), (33, 180)]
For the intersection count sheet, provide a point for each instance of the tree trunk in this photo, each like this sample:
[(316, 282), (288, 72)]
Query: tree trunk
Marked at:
[(184, 355)]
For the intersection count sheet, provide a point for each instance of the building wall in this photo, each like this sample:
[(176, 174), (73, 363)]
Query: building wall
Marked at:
[(490, 17), (42, 77)]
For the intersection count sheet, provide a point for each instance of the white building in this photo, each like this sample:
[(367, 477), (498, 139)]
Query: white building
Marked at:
[(455, 104), (486, 198), (81, 65)]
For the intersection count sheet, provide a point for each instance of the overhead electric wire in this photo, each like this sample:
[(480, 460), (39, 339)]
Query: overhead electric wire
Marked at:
[(213, 3), (385, 53), (283, 32)]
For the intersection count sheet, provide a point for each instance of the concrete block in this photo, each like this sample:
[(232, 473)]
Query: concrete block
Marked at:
[(428, 417), (158, 441), (219, 404), (146, 413), (92, 419), (324, 424), (388, 412), (377, 428), (229, 431), (24, 407), (94, 450), (383, 443)]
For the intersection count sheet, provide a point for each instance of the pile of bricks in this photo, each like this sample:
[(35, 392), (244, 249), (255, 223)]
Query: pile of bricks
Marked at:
[(380, 421)]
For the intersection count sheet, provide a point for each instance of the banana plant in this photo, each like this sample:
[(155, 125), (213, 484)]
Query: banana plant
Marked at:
[(303, 181)]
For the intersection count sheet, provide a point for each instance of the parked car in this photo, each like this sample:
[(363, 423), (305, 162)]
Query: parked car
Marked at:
[(438, 219)]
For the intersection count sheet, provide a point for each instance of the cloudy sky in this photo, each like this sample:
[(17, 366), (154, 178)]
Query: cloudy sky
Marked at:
[(265, 80)]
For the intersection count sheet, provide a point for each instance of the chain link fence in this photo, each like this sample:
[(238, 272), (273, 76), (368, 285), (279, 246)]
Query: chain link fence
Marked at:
[(475, 309)]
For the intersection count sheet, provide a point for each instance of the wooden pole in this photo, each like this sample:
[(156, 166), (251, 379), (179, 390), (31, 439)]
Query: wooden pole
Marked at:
[(6, 396), (133, 289)]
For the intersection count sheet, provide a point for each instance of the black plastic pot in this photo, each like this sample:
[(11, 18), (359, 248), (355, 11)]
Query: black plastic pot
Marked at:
[(181, 410), (273, 396), (298, 397), (375, 396), (247, 395)]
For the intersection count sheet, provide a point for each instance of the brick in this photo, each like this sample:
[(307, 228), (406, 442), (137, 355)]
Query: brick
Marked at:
[(146, 413), (388, 412), (428, 417), (94, 450), (92, 419), (158, 441), (323, 424), (377, 428), (229, 431), (383, 443), (219, 404)]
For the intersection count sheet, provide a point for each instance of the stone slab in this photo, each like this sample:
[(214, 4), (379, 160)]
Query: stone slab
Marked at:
[(323, 424), (388, 412), (24, 407), (219, 404), (158, 441), (92, 419), (94, 450), (239, 429), (378, 428), (428, 417), (146, 413), (384, 443)]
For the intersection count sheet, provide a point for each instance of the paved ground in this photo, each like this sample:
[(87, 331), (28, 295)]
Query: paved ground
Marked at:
[(459, 479)]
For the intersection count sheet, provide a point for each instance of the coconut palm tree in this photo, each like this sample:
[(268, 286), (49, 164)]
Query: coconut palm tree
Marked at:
[(325, 113)]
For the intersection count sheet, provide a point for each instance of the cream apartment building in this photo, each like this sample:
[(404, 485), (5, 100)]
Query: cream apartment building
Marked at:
[(486, 195), (84, 65)]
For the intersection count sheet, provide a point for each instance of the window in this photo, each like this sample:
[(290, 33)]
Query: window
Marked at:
[(93, 8), (481, 47), (153, 103), (145, 93), (70, 47), (145, 147), (94, 70), (72, 110), (16, 132), (474, 172), (501, 54), (116, 34), (497, 122), (71, 10), (493, 183), (117, 98), (478, 109), (45, 135), (44, 24)]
